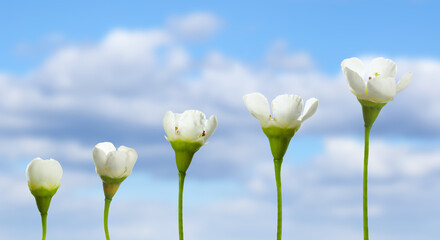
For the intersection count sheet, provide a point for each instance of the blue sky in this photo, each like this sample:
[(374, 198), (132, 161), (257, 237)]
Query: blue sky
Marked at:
[(328, 30), (73, 74)]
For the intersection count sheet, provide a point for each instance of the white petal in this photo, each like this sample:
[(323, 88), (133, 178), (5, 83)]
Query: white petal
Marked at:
[(382, 67), (100, 153), (404, 82), (258, 106), (381, 89), (130, 160), (355, 65), (54, 173), (191, 125), (115, 166), (169, 125), (310, 109), (355, 81), (106, 147), (287, 109), (34, 173), (211, 125), (44, 173)]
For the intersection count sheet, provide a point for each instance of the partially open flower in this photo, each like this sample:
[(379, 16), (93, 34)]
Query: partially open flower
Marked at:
[(187, 132), (381, 84), (189, 126), (113, 165)]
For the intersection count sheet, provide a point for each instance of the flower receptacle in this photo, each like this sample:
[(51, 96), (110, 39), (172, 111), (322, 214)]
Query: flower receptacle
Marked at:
[(370, 111), (42, 191), (279, 139), (110, 189), (184, 152), (43, 203)]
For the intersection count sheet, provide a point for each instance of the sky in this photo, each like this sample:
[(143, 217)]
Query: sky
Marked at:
[(76, 73)]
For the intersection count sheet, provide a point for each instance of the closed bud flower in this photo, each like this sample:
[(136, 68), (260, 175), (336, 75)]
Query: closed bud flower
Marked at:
[(43, 178)]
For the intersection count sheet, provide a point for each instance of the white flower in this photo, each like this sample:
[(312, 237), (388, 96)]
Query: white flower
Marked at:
[(113, 164), (44, 176), (189, 126), (286, 110), (381, 84)]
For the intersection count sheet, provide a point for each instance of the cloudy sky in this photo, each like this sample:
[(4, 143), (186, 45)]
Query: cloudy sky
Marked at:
[(76, 73)]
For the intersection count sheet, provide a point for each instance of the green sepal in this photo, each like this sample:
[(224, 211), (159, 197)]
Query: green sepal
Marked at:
[(43, 203), (184, 152), (110, 180), (370, 111), (110, 189), (279, 139), (43, 192)]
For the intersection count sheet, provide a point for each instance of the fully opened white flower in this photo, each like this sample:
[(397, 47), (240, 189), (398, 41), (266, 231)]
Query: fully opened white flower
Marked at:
[(189, 126), (279, 127), (287, 110), (380, 87), (44, 177), (373, 94), (111, 164)]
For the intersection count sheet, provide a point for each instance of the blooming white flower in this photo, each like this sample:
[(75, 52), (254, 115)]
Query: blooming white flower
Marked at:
[(111, 164), (287, 110), (189, 126), (43, 177), (381, 84)]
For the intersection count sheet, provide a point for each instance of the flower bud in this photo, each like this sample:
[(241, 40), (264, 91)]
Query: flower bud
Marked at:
[(43, 178)]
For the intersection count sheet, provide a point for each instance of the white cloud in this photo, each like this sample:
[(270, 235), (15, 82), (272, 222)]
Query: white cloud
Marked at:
[(345, 157), (29, 147), (279, 57), (44, 45), (194, 26)]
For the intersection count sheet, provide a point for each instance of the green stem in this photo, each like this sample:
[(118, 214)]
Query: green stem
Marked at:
[(181, 181), (106, 209), (277, 164), (44, 223), (365, 182)]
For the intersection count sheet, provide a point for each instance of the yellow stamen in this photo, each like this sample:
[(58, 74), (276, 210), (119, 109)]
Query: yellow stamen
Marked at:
[(376, 74)]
